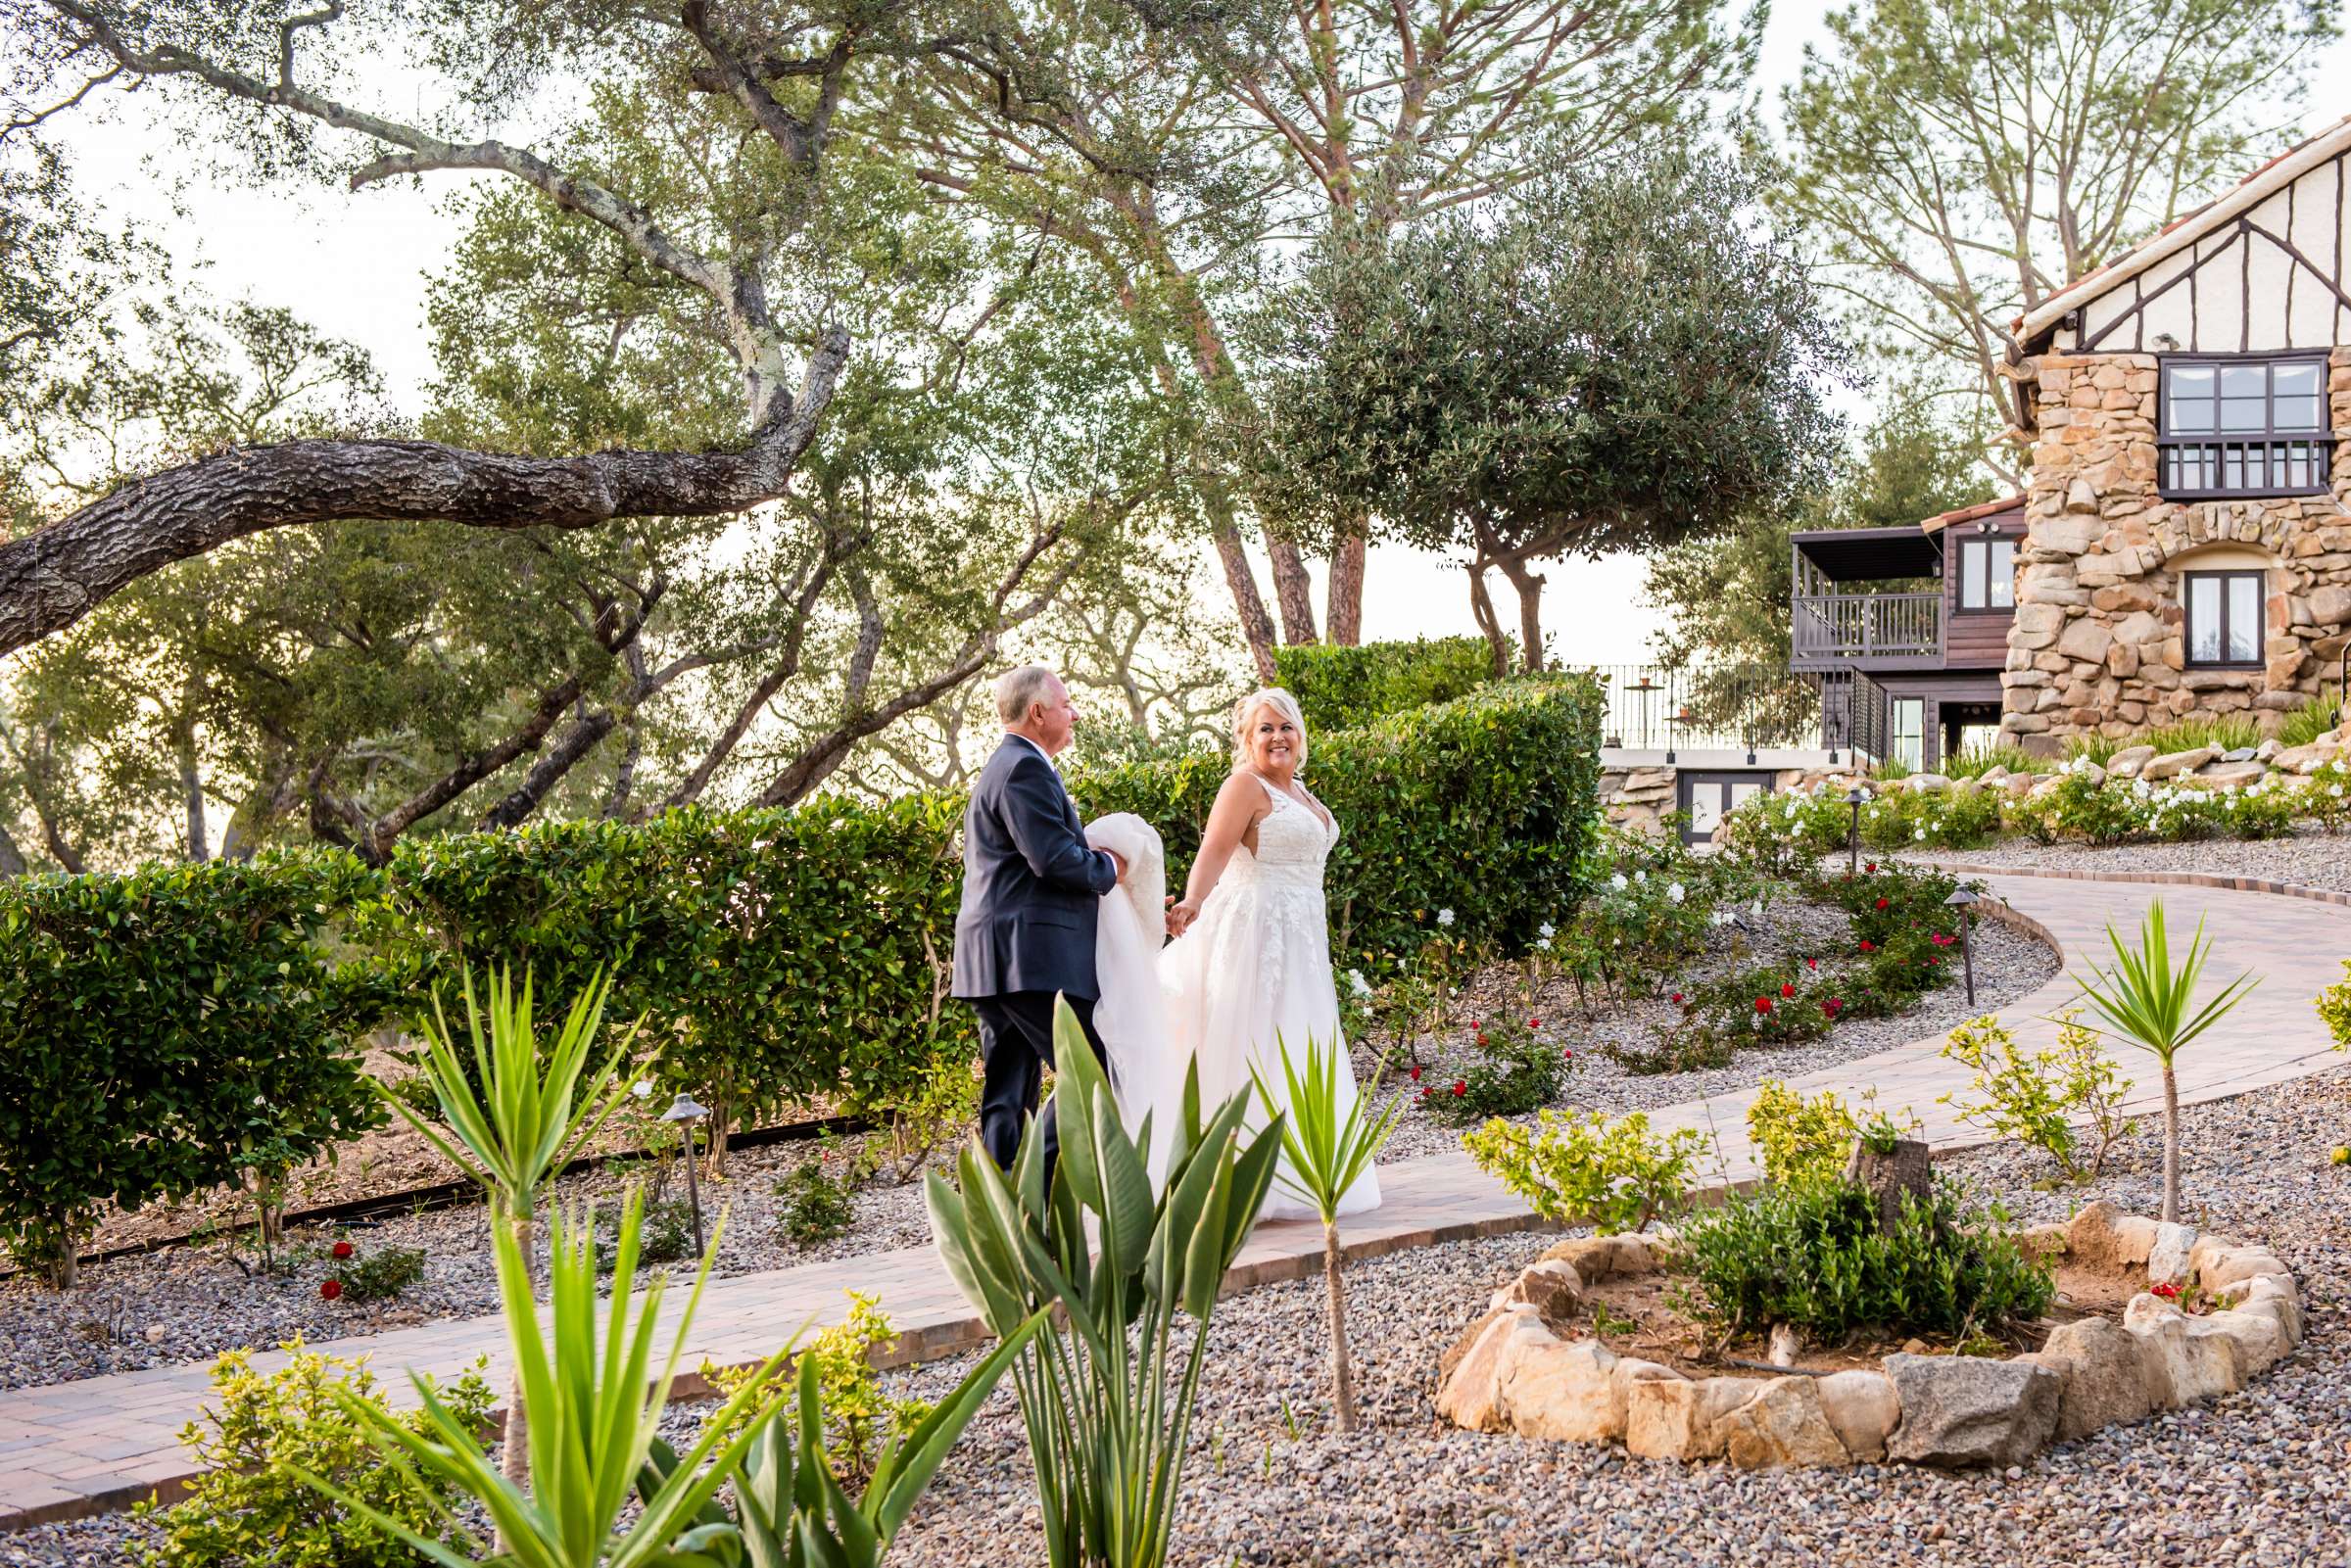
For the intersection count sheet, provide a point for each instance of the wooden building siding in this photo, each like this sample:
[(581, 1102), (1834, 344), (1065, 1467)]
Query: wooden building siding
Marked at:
[(1977, 639)]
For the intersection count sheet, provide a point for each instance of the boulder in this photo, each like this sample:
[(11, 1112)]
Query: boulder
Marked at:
[(1971, 1410), (2232, 775), (2086, 640), (2167, 1259), (1680, 1420), (2102, 1236), (2174, 763), (1783, 1424), (2258, 1332), (1566, 1391), (1862, 1409), (1598, 1257), (2268, 1290), (2227, 1267), (2110, 1375), (2043, 1241), (1926, 783), (2205, 1255), (2331, 605), (2197, 1361), (1472, 1397), (2126, 763), (1551, 1287)]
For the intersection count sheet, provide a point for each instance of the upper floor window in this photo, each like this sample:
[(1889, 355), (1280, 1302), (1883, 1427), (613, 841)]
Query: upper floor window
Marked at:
[(2244, 427), (2223, 618), (1986, 574)]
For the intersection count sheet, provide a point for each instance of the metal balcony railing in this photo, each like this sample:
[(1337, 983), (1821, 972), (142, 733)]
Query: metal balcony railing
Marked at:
[(1866, 626)]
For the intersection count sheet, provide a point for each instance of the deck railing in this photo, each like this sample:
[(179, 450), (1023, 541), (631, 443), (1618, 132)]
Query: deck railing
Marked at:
[(1868, 626)]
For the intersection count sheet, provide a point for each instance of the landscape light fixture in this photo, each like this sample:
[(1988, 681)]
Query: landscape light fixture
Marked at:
[(1853, 837), (1965, 902), (686, 1111)]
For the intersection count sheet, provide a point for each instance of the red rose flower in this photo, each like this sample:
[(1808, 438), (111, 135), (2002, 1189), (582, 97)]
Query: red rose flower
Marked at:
[(1868, 946), (1424, 1091), (342, 1249), (1811, 963), (1567, 1055), (1787, 988), (1677, 998), (1832, 1006), (1534, 1024), (1461, 1086), (1870, 865), (1416, 1072), (1762, 1003), (1880, 903), (2168, 1291), (330, 1289)]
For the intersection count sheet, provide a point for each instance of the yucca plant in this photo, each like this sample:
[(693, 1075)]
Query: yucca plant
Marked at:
[(518, 1117), (790, 1510), (1327, 1154), (2146, 1002), (1108, 1405), (595, 1401)]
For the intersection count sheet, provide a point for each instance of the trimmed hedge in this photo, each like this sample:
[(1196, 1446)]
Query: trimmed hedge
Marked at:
[(166, 1032), (1349, 688), (775, 955)]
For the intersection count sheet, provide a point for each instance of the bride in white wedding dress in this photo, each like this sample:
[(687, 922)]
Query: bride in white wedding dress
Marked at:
[(1250, 968)]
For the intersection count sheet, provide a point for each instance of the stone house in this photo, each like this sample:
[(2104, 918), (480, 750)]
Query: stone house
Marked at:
[(2186, 546)]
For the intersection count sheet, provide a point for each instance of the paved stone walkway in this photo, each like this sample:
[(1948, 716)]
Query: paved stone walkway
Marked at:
[(89, 1446)]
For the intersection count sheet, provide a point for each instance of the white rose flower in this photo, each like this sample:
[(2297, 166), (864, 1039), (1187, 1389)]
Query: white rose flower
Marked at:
[(1919, 834), (1358, 984), (1618, 882), (1674, 890), (1444, 917), (1547, 930), (1543, 942), (1641, 875), (643, 1088)]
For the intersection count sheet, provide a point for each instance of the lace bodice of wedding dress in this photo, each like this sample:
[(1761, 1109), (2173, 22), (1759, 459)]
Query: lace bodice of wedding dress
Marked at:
[(1253, 974)]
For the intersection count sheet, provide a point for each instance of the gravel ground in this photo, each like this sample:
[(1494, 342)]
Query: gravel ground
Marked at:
[(2008, 964), (2260, 1476), (190, 1302), (2310, 858)]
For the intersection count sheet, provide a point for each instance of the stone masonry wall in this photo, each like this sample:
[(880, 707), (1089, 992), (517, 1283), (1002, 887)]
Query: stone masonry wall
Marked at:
[(2099, 643)]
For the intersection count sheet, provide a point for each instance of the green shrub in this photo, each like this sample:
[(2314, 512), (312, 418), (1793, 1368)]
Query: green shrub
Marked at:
[(2098, 748), (1942, 818), (170, 1031), (1978, 760), (247, 1509), (1812, 1253), (1580, 1168), (1514, 1071), (2034, 1099), (861, 1419), (1780, 836), (1347, 688), (2227, 733), (2325, 796), (381, 1275), (818, 1207), (2313, 718), (1798, 1139)]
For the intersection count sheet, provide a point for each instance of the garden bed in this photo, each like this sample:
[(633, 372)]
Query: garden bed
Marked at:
[(2309, 858)]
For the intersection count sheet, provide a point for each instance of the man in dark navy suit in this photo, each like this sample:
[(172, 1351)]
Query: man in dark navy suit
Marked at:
[(1030, 891)]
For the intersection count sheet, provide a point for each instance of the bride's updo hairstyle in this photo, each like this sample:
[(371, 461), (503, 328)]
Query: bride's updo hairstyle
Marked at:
[(1245, 710)]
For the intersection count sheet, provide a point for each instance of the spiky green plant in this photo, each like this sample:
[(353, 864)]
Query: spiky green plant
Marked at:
[(2145, 1001), (1109, 1404), (2313, 718), (1326, 1155), (595, 1401), (510, 1125)]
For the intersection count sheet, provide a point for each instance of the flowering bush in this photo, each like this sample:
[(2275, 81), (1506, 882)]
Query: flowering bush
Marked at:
[(378, 1277), (1580, 1168), (2325, 796), (1781, 835), (1514, 1071)]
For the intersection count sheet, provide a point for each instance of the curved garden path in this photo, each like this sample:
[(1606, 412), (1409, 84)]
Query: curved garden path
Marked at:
[(76, 1449)]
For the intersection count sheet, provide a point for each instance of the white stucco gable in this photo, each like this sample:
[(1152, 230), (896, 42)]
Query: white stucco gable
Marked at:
[(2260, 270)]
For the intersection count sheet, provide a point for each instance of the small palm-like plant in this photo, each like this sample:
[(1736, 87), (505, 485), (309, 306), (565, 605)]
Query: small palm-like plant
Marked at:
[(511, 1126), (1327, 1154), (593, 1402), (1109, 1406), (2146, 1002)]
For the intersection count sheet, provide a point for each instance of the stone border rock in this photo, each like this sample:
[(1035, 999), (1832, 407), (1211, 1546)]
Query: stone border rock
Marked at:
[(1512, 1373)]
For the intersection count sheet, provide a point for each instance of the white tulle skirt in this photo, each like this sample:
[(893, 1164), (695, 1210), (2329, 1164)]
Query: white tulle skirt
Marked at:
[(1250, 977)]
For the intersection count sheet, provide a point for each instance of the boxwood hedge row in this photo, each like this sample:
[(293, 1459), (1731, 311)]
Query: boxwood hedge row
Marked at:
[(183, 1027)]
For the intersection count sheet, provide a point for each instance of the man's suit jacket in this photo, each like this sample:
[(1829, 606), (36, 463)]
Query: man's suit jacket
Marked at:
[(1031, 882)]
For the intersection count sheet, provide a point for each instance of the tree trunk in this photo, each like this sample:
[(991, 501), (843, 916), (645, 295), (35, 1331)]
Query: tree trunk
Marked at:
[(1529, 584), (54, 576), (1342, 1369), (515, 1459), (1295, 588), (1247, 603), (2171, 1145), (1345, 621), (1481, 605), (1907, 1172)]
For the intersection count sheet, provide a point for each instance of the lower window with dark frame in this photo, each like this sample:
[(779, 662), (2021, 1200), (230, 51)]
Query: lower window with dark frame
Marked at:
[(2223, 618)]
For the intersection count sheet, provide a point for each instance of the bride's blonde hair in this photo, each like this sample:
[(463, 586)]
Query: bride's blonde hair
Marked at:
[(1243, 711)]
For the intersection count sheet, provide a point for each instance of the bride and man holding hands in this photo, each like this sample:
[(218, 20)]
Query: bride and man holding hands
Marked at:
[(1224, 976)]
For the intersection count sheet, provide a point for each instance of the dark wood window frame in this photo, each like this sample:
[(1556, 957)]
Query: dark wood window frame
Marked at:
[(2269, 445), (2261, 614), (1985, 543)]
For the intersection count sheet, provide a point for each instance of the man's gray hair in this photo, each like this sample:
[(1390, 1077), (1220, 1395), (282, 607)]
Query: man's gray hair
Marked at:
[(1019, 690)]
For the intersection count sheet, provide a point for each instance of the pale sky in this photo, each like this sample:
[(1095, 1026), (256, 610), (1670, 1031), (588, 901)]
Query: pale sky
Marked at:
[(355, 266)]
